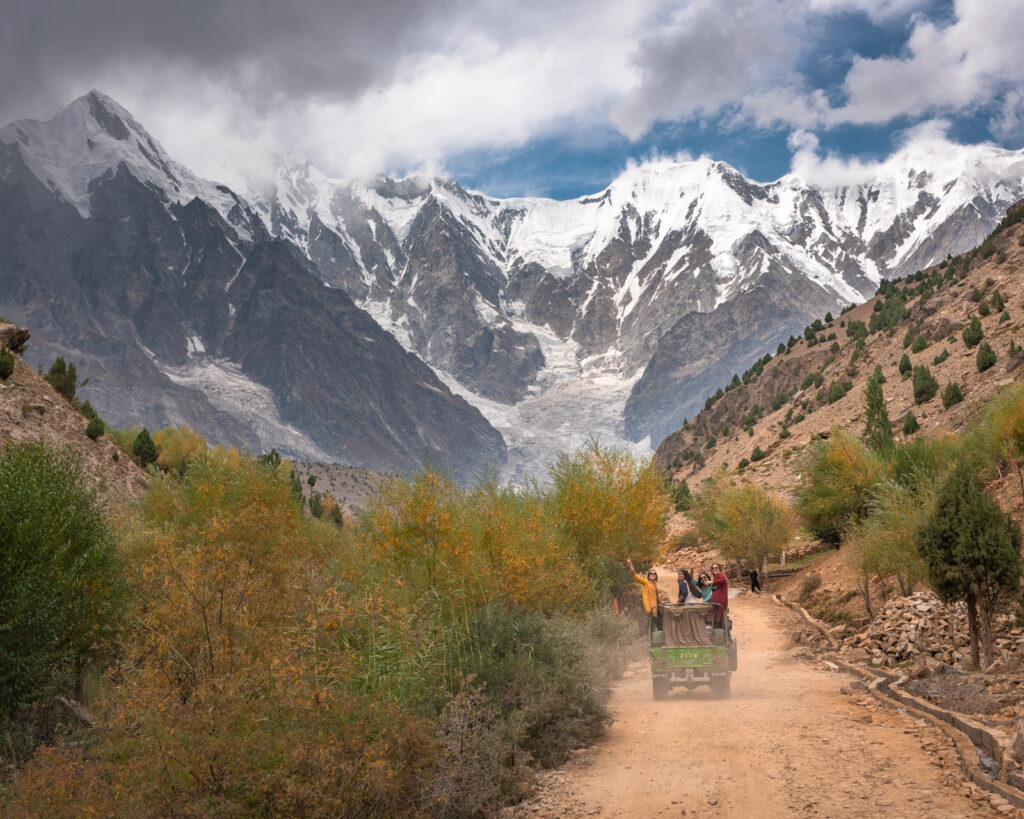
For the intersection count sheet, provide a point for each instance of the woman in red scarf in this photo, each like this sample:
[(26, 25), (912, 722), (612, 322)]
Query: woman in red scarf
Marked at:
[(720, 593)]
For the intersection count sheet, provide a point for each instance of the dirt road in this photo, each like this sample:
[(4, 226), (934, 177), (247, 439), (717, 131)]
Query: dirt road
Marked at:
[(788, 742)]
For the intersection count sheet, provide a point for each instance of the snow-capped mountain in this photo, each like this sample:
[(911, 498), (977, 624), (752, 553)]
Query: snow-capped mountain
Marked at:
[(521, 301), (613, 314)]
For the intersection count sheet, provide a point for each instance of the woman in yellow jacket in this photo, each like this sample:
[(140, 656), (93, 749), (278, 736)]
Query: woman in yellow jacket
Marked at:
[(648, 592)]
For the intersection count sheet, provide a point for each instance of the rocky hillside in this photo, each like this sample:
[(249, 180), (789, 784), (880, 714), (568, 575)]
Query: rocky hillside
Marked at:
[(30, 410), (278, 316), (818, 387)]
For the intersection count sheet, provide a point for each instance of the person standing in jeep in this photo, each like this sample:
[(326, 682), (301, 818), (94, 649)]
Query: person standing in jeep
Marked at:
[(648, 592)]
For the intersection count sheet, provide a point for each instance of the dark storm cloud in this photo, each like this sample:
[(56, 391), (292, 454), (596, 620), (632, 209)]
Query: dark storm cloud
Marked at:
[(262, 49)]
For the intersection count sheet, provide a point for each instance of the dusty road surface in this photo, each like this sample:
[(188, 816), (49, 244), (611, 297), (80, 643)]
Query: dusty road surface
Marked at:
[(787, 742)]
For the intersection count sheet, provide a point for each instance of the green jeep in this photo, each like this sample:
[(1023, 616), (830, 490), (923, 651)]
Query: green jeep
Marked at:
[(688, 651)]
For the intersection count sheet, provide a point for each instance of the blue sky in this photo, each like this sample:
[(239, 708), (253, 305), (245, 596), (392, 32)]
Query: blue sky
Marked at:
[(528, 97)]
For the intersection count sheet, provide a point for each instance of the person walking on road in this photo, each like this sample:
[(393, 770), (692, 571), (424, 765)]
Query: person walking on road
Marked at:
[(755, 582)]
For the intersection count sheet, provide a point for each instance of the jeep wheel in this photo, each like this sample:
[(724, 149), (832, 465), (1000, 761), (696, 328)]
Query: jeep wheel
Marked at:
[(720, 687), (660, 688)]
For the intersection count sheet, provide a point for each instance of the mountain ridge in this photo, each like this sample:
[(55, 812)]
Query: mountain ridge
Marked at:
[(535, 310)]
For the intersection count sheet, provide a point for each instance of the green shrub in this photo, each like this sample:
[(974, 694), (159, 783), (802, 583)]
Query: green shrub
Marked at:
[(784, 432), (952, 395), (986, 357), (838, 390), (758, 454), (905, 366), (62, 590), (1004, 316), (940, 358), (910, 425), (878, 375), (743, 464), (984, 309), (95, 428), (925, 385), (972, 333), (6, 363), (920, 343), (711, 443), (997, 301)]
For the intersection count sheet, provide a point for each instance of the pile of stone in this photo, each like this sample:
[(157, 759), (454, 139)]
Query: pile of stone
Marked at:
[(922, 628)]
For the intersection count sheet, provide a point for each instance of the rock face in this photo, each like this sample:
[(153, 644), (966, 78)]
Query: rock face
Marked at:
[(178, 305), (620, 311)]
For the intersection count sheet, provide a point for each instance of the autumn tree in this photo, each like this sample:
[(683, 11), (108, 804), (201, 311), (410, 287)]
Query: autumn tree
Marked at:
[(883, 545), (611, 504), (839, 475), (177, 447), (972, 551), (745, 522)]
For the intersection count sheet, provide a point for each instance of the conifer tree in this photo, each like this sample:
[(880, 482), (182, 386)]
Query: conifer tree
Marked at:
[(972, 551), (986, 357), (910, 424), (144, 449), (905, 365), (877, 427), (972, 333), (925, 385)]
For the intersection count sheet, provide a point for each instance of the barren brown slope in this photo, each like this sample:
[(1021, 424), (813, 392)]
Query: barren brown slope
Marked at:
[(30, 409), (940, 318)]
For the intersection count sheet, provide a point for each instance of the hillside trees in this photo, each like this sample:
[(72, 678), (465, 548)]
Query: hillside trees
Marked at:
[(61, 587), (972, 551), (745, 522)]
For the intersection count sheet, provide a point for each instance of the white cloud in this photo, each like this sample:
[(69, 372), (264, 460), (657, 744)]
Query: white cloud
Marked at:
[(705, 57), (944, 70), (428, 85), (925, 146)]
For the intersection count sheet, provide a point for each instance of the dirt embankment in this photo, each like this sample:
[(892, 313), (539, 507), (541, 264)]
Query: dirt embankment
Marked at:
[(794, 739)]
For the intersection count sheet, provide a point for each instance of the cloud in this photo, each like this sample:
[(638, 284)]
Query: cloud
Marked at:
[(262, 50), (704, 58), (945, 69), (363, 86), (925, 146)]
